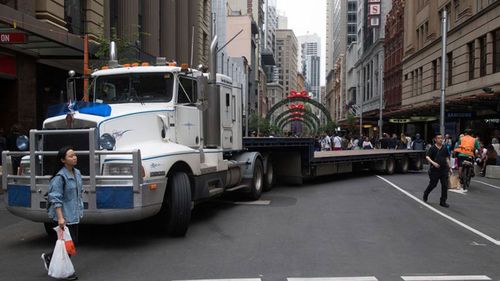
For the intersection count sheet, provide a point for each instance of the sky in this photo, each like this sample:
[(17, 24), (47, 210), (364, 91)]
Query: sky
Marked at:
[(306, 17)]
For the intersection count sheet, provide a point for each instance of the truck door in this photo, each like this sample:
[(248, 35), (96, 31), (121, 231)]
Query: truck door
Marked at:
[(188, 129)]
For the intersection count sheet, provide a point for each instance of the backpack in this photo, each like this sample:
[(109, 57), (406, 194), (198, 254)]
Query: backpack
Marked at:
[(46, 195)]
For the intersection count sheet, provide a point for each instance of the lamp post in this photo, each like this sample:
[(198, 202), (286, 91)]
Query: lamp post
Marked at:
[(443, 70)]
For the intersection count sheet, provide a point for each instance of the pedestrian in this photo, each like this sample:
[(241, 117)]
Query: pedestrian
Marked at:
[(14, 133), (439, 160), (448, 143), (367, 144), (317, 143), (482, 158), (337, 142), (403, 142), (495, 152), (3, 144), (65, 198), (326, 143), (393, 142), (418, 143)]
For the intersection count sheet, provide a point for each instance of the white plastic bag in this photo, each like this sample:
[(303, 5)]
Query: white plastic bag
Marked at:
[(60, 263)]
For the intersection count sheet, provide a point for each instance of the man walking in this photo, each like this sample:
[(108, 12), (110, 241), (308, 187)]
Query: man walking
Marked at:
[(439, 159)]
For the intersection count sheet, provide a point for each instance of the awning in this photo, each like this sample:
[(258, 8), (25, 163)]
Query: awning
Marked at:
[(483, 104), (43, 41)]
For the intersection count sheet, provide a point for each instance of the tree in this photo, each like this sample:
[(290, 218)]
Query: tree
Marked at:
[(351, 123)]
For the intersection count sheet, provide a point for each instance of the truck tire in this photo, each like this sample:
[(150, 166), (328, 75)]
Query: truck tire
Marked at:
[(389, 166), (269, 178), (257, 181), (177, 205), (417, 163), (402, 166)]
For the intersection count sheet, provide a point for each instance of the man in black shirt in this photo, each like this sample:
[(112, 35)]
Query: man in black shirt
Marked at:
[(439, 160)]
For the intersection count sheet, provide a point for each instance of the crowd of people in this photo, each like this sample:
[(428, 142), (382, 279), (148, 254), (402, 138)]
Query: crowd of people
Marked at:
[(338, 141), (483, 154)]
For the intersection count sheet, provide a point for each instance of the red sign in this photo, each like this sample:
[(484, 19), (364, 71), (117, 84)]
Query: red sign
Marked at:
[(8, 65), (374, 10), (12, 38)]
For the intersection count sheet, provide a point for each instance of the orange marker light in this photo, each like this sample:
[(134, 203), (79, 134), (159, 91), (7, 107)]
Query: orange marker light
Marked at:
[(153, 186), (145, 64), (105, 67), (126, 65)]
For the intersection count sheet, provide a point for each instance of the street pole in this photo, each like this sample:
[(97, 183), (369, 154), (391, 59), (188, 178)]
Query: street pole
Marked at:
[(443, 70), (361, 120), (381, 93)]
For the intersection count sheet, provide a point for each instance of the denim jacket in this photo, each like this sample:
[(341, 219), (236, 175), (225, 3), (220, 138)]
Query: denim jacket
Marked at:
[(68, 197)]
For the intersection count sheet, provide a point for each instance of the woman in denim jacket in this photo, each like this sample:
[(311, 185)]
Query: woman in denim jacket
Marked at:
[(65, 198)]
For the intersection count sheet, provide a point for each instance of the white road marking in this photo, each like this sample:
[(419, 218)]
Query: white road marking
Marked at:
[(235, 279), (258, 202), (459, 191), (446, 278), (485, 183), (366, 278), (489, 238)]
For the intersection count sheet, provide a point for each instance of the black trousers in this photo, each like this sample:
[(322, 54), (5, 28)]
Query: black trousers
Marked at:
[(73, 230), (435, 176)]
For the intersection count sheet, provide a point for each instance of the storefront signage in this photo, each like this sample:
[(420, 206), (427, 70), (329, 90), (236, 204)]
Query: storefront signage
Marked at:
[(374, 10), (399, 121), (460, 114), (423, 118), (8, 65), (12, 38)]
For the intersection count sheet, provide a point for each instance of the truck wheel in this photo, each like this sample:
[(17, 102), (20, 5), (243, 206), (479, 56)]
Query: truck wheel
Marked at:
[(389, 166), (269, 178), (402, 166), (417, 163), (257, 181), (177, 205)]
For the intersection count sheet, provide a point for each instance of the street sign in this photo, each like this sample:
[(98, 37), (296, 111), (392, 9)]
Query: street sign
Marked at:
[(375, 21), (399, 121), (12, 38), (374, 10)]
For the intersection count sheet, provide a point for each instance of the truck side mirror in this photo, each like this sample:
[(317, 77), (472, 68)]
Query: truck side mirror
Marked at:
[(71, 86), (165, 126)]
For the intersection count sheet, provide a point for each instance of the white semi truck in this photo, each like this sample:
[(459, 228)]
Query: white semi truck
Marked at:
[(156, 140)]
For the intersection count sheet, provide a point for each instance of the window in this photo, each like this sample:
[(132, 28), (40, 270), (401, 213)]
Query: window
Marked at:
[(434, 75), (418, 38), (449, 57), (187, 91), (472, 58), (74, 16), (135, 88), (496, 50), (482, 56), (421, 71)]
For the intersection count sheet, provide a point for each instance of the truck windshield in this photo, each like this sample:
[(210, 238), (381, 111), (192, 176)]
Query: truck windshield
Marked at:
[(131, 88)]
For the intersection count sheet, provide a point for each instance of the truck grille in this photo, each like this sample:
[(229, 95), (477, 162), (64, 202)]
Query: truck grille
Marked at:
[(79, 141)]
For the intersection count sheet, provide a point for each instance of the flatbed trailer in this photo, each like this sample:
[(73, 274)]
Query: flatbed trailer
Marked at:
[(294, 159)]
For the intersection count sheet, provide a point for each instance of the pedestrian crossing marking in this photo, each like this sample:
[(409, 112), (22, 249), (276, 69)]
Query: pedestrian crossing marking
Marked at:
[(256, 203), (234, 279), (363, 278), (446, 278)]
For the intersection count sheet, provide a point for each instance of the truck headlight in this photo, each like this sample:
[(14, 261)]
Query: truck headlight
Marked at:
[(118, 169), (23, 143), (107, 141)]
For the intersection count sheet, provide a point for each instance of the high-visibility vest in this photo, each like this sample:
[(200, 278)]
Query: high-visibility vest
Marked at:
[(467, 144)]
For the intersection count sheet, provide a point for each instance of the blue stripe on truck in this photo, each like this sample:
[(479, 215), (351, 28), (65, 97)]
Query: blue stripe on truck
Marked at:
[(19, 195), (114, 197)]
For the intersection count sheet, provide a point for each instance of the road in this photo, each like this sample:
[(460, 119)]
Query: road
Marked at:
[(350, 227)]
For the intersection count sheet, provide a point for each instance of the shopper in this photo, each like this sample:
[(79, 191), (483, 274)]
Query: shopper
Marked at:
[(439, 159), (65, 198)]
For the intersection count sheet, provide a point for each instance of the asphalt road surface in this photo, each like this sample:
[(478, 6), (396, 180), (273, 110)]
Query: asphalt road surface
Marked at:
[(349, 227)]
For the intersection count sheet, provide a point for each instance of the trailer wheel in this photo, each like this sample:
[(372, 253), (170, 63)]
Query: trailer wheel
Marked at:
[(257, 181), (417, 163), (402, 166), (390, 166), (176, 209), (269, 179)]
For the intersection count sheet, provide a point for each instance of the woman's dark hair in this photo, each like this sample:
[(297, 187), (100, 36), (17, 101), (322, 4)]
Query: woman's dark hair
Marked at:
[(61, 154)]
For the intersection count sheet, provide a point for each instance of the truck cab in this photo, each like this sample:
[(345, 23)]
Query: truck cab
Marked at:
[(151, 141)]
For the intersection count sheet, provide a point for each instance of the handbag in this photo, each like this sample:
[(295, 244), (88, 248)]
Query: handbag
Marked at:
[(454, 182)]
